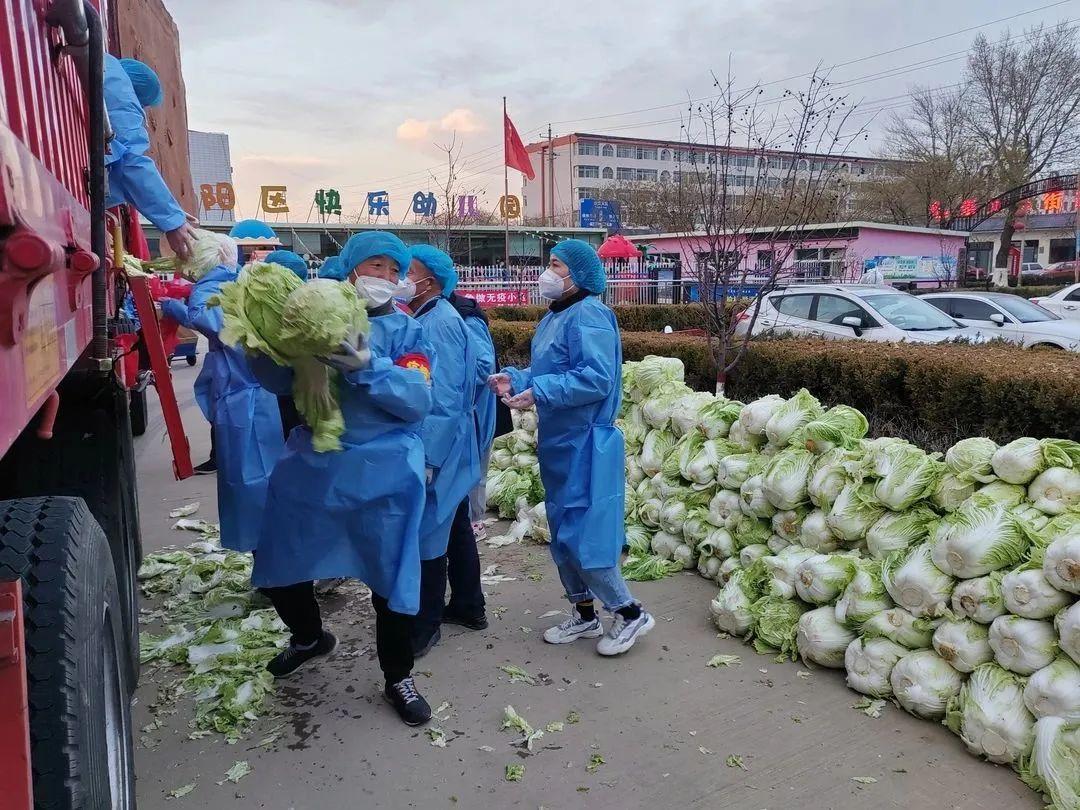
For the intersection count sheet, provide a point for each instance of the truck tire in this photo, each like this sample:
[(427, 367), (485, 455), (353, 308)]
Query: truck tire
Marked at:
[(90, 456), (77, 679), (138, 412)]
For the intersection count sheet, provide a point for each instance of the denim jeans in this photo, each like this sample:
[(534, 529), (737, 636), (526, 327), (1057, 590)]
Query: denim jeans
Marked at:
[(605, 584)]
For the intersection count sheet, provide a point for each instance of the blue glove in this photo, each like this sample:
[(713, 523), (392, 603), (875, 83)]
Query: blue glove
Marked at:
[(177, 310)]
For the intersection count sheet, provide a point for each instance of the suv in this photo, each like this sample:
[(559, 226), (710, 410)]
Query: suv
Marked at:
[(1009, 317), (853, 311)]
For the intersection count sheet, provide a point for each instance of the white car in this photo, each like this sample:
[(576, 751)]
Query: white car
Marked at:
[(853, 311), (1065, 303), (1009, 317)]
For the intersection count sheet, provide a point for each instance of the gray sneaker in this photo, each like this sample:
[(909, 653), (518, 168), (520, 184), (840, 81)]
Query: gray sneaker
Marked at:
[(574, 628), (325, 586), (622, 634)]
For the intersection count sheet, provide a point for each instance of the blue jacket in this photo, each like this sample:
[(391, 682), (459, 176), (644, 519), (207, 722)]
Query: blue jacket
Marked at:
[(484, 349), (450, 443), (576, 379), (133, 176), (244, 416), (355, 512)]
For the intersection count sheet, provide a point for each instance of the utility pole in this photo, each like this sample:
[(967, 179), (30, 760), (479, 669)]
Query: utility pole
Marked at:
[(571, 198), (506, 200), (551, 174)]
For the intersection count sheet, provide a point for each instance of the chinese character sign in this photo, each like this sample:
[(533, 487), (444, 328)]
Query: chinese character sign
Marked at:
[(328, 201), (378, 203), (217, 195), (424, 205), (968, 208), (272, 200), (466, 205), (1053, 202), (509, 207), (498, 298)]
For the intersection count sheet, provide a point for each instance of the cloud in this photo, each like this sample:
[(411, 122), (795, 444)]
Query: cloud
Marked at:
[(286, 160), (461, 120), (413, 129)]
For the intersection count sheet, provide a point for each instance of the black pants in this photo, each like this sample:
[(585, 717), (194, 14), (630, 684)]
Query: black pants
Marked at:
[(461, 565), (290, 417), (297, 607)]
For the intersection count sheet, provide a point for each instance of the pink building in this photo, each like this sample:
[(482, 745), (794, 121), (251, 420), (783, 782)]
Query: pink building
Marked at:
[(829, 251)]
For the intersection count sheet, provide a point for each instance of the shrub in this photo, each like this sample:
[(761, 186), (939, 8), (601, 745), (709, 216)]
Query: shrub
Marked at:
[(631, 317)]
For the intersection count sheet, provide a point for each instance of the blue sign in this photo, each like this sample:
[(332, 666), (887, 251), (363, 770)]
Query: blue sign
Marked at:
[(733, 291), (600, 213)]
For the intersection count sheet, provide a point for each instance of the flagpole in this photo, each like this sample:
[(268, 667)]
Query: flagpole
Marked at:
[(506, 196)]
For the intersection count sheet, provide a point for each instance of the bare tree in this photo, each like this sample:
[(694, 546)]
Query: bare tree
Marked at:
[(761, 169), (935, 159), (1025, 108), (449, 189)]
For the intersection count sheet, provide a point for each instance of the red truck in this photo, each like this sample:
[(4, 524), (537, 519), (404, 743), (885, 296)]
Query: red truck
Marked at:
[(69, 519)]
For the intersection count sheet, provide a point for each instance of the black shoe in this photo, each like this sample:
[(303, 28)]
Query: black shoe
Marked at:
[(451, 616), (407, 702), (422, 646), (208, 467), (292, 658)]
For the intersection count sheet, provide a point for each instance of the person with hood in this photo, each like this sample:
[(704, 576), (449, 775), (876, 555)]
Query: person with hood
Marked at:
[(133, 177), (243, 416), (450, 443), (356, 512), (575, 382)]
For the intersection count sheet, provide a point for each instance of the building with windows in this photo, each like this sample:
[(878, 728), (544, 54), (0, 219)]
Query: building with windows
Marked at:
[(211, 175), (1044, 239), (582, 166)]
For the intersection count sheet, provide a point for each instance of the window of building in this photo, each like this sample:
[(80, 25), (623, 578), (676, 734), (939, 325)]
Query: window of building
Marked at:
[(678, 155), (743, 161), (778, 163), (803, 165), (623, 173), (665, 177), (588, 148), (586, 193), (607, 173), (607, 151), (643, 153), (588, 171), (665, 154), (648, 175), (676, 177), (624, 151)]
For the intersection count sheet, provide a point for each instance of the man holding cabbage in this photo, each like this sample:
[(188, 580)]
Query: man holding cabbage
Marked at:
[(450, 446), (575, 382), (347, 501)]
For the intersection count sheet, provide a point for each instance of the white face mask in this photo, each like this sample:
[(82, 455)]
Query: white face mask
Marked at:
[(376, 291), (551, 285), (405, 292)]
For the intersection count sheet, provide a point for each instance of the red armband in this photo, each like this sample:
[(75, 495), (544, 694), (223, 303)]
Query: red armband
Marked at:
[(417, 362)]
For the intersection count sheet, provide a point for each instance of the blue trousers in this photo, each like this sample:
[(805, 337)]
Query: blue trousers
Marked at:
[(585, 584)]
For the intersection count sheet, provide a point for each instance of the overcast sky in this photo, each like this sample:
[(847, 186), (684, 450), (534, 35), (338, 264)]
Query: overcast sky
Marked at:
[(355, 95)]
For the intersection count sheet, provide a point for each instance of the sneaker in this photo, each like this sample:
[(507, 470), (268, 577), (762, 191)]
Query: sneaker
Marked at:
[(292, 657), (423, 647), (325, 586), (407, 702), (574, 628), (479, 531), (622, 634), (208, 467), (451, 616)]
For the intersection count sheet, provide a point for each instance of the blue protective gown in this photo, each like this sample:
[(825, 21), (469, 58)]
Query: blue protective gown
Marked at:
[(133, 176), (243, 415), (576, 379), (484, 349), (450, 443), (355, 512)]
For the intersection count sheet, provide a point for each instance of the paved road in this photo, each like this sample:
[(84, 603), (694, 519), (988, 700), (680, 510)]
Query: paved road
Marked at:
[(662, 721)]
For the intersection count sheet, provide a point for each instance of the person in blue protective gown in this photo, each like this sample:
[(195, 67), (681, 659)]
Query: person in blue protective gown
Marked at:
[(287, 258), (133, 176), (450, 443), (331, 268), (356, 512), (243, 416), (575, 382)]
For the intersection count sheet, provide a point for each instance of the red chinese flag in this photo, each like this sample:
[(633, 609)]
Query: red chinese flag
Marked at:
[(517, 157)]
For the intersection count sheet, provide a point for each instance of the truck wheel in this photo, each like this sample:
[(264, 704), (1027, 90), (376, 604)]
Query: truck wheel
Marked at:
[(77, 676), (137, 409)]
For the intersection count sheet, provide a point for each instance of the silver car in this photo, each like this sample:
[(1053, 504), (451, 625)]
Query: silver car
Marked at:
[(1009, 317), (853, 312)]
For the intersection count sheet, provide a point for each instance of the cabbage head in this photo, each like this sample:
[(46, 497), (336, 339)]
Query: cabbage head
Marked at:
[(791, 417), (970, 459), (822, 639), (990, 716), (869, 662), (864, 597), (785, 476), (896, 531), (755, 415), (915, 583), (652, 373), (686, 415), (655, 448), (854, 511), (733, 470), (924, 683), (319, 315), (252, 308), (951, 491), (717, 417), (1054, 764), (1021, 460), (840, 426), (832, 471), (911, 476), (980, 537), (776, 624)]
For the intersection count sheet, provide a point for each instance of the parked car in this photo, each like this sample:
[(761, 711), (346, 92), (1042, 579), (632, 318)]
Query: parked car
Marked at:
[(1009, 317), (1065, 302), (1031, 269), (853, 311)]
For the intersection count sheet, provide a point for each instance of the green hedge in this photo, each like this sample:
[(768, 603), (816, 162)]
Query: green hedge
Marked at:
[(631, 317), (945, 389)]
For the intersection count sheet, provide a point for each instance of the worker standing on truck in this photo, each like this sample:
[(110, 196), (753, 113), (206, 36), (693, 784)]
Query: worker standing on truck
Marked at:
[(132, 175), (356, 512), (243, 416), (575, 382), (450, 444)]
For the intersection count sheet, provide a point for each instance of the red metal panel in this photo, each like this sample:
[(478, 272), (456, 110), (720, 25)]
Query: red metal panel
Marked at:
[(16, 784)]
